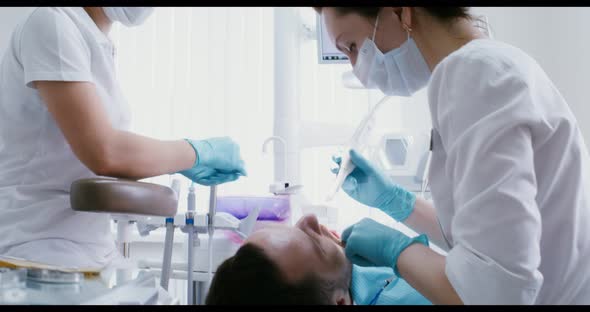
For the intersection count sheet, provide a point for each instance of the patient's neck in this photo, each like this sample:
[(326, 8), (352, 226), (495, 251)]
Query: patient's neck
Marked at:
[(350, 302)]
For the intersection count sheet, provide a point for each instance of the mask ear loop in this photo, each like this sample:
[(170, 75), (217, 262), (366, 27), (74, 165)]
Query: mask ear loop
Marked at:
[(375, 28)]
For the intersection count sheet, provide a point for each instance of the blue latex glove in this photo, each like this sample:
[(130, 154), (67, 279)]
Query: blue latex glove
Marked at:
[(370, 243), (208, 176), (368, 186), (218, 161)]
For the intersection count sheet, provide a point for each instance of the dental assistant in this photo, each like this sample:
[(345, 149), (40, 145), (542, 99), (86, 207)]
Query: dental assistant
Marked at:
[(509, 171), (63, 118)]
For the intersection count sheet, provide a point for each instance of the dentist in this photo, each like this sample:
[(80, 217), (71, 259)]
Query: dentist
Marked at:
[(509, 171), (62, 118)]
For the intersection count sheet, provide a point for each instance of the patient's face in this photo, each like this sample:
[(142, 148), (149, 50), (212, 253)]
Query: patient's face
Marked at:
[(308, 247)]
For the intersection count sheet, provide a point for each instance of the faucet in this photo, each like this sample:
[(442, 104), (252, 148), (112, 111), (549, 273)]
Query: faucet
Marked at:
[(278, 138)]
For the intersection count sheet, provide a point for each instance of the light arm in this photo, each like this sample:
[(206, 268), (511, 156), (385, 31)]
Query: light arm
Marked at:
[(79, 113)]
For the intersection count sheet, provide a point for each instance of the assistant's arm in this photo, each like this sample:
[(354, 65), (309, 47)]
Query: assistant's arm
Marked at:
[(79, 113)]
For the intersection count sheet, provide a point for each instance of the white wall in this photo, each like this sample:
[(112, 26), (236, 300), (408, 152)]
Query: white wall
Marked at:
[(9, 17), (559, 39)]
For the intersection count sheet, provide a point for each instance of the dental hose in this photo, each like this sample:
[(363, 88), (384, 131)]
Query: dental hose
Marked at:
[(191, 204), (212, 211)]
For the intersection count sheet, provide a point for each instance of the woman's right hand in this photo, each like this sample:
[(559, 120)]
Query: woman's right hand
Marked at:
[(218, 161), (370, 187)]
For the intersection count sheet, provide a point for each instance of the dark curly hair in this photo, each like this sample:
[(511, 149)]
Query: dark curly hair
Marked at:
[(442, 13), (251, 277)]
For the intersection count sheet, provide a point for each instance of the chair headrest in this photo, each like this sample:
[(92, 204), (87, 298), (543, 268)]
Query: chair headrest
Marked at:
[(119, 196)]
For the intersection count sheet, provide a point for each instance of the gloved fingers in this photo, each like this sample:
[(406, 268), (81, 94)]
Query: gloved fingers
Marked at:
[(218, 178), (350, 184), (335, 170), (368, 222), (359, 175), (242, 170), (360, 162), (197, 174), (203, 174), (223, 172), (337, 159), (208, 182), (225, 178), (352, 254), (205, 182), (346, 233)]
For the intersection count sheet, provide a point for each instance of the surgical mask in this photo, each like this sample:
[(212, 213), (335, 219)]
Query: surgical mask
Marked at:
[(128, 16), (401, 71)]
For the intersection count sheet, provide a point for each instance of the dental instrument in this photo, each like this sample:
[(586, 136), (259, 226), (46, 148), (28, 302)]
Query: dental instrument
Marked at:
[(190, 219), (358, 141), (210, 226), (425, 176), (387, 282), (169, 242), (155, 206)]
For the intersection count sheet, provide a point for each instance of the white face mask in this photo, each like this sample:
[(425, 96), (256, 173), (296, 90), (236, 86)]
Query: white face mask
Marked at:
[(128, 16), (401, 71)]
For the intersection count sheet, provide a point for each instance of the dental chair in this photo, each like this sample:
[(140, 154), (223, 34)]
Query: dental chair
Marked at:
[(152, 206), (128, 202)]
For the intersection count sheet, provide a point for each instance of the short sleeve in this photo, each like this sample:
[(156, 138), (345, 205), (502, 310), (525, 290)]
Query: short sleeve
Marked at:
[(52, 48)]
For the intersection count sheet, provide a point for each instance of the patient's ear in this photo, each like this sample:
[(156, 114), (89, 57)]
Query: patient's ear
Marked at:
[(342, 297)]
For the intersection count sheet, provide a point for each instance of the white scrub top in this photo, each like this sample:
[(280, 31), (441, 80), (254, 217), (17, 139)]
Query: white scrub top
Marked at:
[(510, 179), (37, 165)]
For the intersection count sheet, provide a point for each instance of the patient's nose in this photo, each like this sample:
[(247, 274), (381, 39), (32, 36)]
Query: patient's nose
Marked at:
[(310, 222)]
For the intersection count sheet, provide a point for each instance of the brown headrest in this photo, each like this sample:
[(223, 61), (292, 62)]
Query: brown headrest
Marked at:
[(111, 195)]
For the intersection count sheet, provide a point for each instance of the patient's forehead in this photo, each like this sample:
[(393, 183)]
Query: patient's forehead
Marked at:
[(279, 238), (273, 237), (288, 248)]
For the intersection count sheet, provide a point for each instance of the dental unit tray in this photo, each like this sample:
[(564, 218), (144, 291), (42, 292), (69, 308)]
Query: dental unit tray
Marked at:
[(125, 197)]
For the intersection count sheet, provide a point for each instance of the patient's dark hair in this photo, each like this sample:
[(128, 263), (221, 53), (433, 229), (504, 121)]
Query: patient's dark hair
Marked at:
[(442, 13), (251, 277)]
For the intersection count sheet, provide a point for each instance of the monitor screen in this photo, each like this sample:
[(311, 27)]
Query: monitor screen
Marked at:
[(327, 52)]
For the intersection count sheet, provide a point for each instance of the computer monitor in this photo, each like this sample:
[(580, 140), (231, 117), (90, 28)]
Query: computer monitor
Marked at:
[(327, 51)]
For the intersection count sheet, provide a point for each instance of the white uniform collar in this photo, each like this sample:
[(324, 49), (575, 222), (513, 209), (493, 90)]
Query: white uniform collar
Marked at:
[(98, 34)]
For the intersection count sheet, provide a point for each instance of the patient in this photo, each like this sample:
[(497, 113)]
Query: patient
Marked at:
[(305, 264)]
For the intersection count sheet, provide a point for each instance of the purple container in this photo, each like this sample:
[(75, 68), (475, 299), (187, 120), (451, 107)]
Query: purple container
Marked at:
[(275, 208)]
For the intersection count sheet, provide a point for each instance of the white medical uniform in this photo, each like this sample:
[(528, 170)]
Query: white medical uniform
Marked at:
[(509, 179), (37, 166)]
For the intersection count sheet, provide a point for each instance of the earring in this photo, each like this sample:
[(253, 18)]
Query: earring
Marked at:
[(407, 29)]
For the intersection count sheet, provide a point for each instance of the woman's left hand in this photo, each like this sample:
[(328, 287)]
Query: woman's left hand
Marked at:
[(370, 243)]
